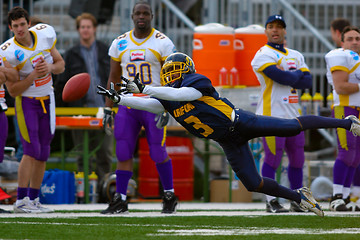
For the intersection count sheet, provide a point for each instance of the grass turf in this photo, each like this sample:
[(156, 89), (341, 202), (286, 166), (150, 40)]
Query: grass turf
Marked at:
[(180, 227)]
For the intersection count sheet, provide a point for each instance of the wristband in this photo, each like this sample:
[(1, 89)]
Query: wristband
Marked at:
[(107, 110), (359, 86)]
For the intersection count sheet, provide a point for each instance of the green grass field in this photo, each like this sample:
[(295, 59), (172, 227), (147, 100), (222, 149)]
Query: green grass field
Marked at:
[(180, 227)]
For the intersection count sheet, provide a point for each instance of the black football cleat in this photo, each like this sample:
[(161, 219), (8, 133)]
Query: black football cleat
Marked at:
[(337, 204), (275, 207), (116, 206), (169, 202), (352, 206)]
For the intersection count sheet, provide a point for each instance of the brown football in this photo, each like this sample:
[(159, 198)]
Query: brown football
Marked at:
[(76, 87)]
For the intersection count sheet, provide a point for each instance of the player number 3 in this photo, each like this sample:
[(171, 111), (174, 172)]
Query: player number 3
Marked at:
[(199, 125)]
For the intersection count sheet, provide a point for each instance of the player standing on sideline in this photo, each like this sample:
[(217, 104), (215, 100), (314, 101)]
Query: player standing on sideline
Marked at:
[(33, 53), (342, 73), (90, 56), (192, 100), (336, 27), (141, 50), (280, 72), (12, 73)]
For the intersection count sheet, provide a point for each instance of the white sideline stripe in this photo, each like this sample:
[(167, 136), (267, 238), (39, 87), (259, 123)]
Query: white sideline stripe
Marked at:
[(177, 214), (218, 231), (252, 231), (153, 210), (156, 206)]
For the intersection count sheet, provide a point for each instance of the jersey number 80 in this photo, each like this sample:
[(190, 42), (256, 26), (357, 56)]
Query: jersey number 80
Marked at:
[(144, 70)]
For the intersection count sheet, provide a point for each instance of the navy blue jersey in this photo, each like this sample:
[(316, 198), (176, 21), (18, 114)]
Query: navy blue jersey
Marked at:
[(206, 117)]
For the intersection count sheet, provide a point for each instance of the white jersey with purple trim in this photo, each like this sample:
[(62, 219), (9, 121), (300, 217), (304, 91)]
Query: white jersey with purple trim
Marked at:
[(144, 56), (276, 99), (344, 60), (25, 58)]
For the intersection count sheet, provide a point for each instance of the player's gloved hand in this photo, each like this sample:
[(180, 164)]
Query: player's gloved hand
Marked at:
[(134, 86), (111, 93), (108, 120), (162, 119)]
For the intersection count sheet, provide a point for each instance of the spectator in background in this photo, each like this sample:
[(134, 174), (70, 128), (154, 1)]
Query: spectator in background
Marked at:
[(34, 50), (342, 73), (281, 71), (336, 27), (90, 56)]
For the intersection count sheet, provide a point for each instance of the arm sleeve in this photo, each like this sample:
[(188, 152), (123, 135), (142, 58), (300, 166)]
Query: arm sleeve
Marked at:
[(283, 77), (173, 94), (304, 82), (140, 103)]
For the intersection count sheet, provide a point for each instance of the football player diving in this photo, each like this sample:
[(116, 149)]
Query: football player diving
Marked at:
[(193, 102)]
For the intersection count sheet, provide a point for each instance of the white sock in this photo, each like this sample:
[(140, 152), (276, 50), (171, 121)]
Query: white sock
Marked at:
[(123, 197), (337, 189), (169, 190), (356, 191), (346, 192)]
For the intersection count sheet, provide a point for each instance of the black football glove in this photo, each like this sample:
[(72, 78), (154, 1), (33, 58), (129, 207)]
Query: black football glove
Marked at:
[(162, 119), (108, 120), (134, 86), (111, 93)]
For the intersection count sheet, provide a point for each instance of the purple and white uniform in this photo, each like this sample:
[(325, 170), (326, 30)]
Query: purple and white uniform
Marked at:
[(3, 119), (348, 158), (35, 108), (143, 56), (282, 101)]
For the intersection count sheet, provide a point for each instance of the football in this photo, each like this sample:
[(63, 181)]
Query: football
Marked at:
[(76, 87)]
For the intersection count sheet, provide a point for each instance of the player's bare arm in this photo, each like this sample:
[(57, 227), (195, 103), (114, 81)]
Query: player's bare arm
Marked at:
[(2, 78), (58, 65), (9, 72), (341, 84), (16, 88)]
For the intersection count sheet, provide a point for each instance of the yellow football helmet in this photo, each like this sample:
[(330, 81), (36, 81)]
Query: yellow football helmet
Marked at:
[(174, 68)]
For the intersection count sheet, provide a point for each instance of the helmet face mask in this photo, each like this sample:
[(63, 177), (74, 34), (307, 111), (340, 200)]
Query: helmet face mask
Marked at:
[(175, 67)]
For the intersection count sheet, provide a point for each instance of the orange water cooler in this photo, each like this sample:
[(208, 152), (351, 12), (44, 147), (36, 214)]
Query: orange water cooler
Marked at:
[(181, 152), (213, 50), (248, 40)]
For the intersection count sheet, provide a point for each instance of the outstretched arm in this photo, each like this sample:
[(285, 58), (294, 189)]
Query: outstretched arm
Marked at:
[(140, 103), (146, 104), (165, 93), (173, 94)]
